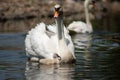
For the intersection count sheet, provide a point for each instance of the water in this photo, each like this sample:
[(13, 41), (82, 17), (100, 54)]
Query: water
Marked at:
[(12, 56), (97, 59)]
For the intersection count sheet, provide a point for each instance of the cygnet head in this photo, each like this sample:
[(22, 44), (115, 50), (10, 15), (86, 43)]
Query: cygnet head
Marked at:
[(90, 2), (56, 56)]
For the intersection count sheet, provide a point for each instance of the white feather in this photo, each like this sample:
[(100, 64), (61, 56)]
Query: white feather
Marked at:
[(79, 26)]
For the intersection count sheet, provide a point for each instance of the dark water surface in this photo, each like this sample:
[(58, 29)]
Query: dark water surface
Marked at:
[(98, 58)]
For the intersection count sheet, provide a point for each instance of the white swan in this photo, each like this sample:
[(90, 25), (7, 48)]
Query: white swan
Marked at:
[(54, 45), (79, 26)]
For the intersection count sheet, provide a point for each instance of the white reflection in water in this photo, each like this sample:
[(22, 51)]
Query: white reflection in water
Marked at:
[(82, 40), (35, 71), (82, 44)]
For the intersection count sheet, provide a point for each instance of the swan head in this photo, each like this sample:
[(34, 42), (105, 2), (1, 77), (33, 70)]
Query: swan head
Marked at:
[(57, 7), (58, 11), (57, 58), (90, 2), (93, 3)]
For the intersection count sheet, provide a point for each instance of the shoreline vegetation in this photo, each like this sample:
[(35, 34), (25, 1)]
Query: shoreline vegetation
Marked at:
[(22, 15)]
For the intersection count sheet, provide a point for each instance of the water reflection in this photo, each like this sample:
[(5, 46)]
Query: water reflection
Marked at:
[(82, 44), (34, 71), (84, 66), (82, 41), (112, 63), (98, 58)]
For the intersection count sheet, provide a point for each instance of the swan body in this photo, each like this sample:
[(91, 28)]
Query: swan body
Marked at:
[(54, 44), (79, 26)]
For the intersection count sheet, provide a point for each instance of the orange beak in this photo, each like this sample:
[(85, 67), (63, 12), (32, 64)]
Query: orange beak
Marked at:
[(56, 14)]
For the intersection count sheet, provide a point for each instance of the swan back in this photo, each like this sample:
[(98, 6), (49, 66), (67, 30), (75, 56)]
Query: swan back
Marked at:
[(28, 46), (78, 27)]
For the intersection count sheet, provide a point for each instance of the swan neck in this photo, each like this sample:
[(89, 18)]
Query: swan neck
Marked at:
[(59, 24), (86, 5), (60, 32)]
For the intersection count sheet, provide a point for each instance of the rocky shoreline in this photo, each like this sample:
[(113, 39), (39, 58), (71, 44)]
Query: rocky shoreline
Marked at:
[(42, 10), (20, 9), (26, 9)]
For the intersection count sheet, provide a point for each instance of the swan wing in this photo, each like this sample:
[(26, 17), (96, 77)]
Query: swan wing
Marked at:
[(28, 47), (41, 44), (69, 42), (52, 28)]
